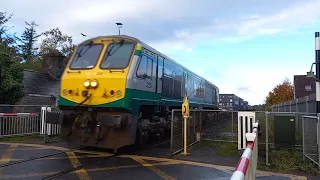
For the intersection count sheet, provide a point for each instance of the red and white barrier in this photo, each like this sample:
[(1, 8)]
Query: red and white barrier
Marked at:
[(247, 165), (17, 114)]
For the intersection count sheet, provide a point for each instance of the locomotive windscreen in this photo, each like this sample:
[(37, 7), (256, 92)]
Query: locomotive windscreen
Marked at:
[(117, 56), (86, 56)]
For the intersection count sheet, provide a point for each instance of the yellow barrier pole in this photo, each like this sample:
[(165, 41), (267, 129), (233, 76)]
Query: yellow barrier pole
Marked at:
[(185, 136), (185, 114)]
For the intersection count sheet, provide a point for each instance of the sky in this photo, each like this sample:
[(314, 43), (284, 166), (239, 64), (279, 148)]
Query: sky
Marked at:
[(244, 47)]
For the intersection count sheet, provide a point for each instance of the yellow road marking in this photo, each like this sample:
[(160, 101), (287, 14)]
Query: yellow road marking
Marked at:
[(172, 161), (82, 174), (59, 158), (37, 145), (6, 157), (88, 170), (153, 168)]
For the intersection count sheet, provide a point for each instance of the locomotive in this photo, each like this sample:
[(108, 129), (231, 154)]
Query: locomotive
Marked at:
[(117, 91)]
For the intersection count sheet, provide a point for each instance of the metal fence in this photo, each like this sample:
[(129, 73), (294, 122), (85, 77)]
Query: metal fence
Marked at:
[(303, 104), (202, 124), (311, 138), (177, 131), (21, 120), (12, 124)]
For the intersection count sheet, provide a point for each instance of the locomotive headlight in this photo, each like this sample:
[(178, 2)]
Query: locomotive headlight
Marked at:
[(94, 83), (86, 83)]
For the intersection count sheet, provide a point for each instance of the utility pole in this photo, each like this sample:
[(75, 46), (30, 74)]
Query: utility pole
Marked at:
[(119, 26), (317, 58)]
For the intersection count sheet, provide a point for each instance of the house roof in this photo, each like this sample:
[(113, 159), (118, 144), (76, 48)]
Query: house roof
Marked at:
[(39, 83)]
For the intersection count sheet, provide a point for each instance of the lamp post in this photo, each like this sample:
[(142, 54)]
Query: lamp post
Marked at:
[(119, 26), (311, 74)]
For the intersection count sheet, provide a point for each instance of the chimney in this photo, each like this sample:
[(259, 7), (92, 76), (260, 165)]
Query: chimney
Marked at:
[(52, 64)]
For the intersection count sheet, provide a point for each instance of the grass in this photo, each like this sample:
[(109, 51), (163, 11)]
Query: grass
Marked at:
[(280, 160), (285, 160), (222, 148)]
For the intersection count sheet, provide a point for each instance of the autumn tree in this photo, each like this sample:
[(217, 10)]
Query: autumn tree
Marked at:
[(281, 93)]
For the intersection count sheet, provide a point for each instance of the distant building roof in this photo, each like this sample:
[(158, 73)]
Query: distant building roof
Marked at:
[(38, 83), (303, 86)]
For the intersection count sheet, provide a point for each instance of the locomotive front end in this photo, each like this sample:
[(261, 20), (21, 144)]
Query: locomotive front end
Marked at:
[(95, 107)]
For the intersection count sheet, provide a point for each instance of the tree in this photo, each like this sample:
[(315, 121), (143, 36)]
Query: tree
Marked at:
[(11, 78), (281, 93), (7, 41), (29, 38), (57, 44)]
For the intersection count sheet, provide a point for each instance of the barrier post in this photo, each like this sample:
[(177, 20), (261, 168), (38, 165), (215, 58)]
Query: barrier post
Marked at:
[(247, 165), (185, 114)]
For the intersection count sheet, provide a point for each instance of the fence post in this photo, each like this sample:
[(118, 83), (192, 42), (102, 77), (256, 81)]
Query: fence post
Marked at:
[(171, 140), (267, 139), (318, 140), (232, 125), (307, 104)]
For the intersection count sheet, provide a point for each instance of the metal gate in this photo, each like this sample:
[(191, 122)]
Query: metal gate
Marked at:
[(193, 129), (311, 138)]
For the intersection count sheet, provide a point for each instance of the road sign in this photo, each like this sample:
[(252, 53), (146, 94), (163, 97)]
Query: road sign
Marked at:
[(185, 107)]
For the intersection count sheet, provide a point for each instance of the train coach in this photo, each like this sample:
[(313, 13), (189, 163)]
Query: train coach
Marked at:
[(117, 91)]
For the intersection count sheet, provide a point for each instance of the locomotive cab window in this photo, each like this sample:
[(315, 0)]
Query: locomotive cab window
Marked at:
[(117, 56), (86, 56)]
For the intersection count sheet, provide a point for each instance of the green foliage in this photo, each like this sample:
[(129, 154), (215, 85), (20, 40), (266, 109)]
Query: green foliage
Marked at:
[(290, 160), (11, 79), (29, 38)]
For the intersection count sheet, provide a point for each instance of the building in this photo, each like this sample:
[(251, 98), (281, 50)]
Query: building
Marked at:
[(229, 101), (232, 102), (241, 104), (245, 105), (40, 88), (303, 86)]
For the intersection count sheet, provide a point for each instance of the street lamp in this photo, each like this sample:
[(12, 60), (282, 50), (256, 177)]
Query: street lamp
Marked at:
[(119, 26)]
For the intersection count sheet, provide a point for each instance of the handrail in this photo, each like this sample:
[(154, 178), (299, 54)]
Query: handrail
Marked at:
[(247, 165)]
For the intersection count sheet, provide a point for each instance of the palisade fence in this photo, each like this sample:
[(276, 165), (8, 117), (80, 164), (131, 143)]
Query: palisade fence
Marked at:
[(21, 120), (305, 104)]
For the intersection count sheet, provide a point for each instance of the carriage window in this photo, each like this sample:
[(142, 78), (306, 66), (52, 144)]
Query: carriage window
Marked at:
[(145, 67), (117, 56)]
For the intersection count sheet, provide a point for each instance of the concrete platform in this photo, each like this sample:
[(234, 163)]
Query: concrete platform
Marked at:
[(146, 164)]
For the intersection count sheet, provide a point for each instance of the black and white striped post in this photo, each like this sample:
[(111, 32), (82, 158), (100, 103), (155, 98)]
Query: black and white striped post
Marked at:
[(317, 58)]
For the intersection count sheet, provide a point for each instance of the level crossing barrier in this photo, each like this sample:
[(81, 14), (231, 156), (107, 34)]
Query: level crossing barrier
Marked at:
[(14, 124), (247, 165)]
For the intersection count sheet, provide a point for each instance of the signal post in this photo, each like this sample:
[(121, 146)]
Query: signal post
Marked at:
[(185, 114)]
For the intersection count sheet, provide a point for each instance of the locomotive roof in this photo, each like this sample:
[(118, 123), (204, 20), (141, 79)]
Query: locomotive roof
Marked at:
[(150, 49)]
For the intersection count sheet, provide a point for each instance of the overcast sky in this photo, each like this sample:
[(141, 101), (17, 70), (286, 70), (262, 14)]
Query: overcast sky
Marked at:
[(244, 47)]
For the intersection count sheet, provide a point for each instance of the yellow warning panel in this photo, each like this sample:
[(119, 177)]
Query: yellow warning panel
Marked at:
[(185, 107)]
